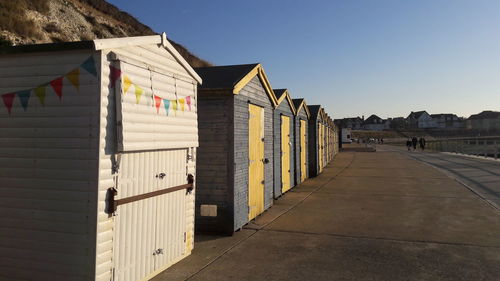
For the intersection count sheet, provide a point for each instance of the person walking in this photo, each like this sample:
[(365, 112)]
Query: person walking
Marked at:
[(414, 143), (408, 144), (422, 143)]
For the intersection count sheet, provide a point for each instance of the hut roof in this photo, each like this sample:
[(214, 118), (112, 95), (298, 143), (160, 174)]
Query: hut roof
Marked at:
[(224, 77), (283, 94), (110, 43), (315, 111), (234, 78), (299, 104)]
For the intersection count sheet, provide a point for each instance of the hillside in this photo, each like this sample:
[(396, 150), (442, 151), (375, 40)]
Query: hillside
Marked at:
[(44, 21)]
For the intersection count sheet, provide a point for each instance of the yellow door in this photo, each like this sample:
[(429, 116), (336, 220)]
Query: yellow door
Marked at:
[(302, 150), (285, 153), (320, 147), (255, 161)]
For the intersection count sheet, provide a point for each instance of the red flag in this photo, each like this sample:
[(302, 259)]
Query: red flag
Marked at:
[(188, 101), (57, 85), (114, 74), (157, 103), (8, 100)]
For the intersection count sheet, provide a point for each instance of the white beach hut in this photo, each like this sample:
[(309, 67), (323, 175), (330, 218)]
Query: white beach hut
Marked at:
[(97, 159)]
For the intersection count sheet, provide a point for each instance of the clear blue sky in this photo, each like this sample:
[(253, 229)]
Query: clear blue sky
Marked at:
[(355, 57)]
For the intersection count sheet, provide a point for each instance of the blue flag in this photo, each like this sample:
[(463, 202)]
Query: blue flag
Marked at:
[(89, 66), (24, 97)]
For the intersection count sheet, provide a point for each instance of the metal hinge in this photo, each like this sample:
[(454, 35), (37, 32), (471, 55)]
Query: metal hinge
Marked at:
[(184, 237)]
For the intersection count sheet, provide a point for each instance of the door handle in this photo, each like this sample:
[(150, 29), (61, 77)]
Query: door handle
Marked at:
[(161, 175)]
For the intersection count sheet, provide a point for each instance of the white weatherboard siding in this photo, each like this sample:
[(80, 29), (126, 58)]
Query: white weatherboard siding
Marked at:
[(151, 142), (48, 170)]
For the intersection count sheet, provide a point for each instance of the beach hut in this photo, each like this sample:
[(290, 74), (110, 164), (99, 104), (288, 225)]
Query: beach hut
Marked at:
[(98, 146), (284, 148), (235, 160), (336, 139), (329, 127), (301, 121), (316, 140)]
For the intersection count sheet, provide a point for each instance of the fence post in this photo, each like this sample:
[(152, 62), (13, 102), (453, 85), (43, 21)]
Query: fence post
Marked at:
[(496, 149), (477, 147)]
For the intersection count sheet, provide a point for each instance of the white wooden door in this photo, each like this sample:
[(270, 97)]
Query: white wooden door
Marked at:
[(135, 223), (150, 233), (171, 208)]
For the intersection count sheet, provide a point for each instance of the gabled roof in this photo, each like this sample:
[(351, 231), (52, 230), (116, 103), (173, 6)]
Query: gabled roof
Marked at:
[(223, 77), (487, 114), (416, 114), (234, 78), (100, 44), (443, 115), (283, 94), (317, 112), (299, 104), (373, 119)]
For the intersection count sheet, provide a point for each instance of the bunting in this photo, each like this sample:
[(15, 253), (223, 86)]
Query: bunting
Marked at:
[(40, 93), (8, 100), (56, 84), (89, 66), (174, 106), (188, 102), (126, 84), (24, 97), (166, 104), (181, 102), (74, 78), (138, 93), (157, 103)]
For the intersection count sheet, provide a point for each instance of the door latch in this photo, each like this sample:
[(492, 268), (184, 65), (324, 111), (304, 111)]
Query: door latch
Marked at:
[(161, 175), (158, 252)]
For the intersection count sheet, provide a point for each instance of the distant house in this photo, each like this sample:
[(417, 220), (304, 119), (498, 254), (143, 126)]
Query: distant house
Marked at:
[(420, 120), (485, 121), (374, 123), (397, 123), (447, 120), (355, 123)]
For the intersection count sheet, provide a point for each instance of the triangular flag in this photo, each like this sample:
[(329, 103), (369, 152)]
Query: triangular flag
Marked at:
[(188, 102), (174, 106), (182, 101), (114, 74), (138, 93), (57, 85), (166, 104), (157, 103), (126, 84), (40, 93), (89, 66), (74, 78), (8, 100), (24, 97)]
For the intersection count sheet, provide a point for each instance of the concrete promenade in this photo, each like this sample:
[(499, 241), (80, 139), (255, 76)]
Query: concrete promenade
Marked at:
[(370, 216)]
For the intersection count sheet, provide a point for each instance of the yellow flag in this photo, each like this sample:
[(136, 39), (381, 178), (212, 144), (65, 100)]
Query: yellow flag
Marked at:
[(126, 84), (40, 93), (182, 102), (74, 77), (174, 106), (138, 93)]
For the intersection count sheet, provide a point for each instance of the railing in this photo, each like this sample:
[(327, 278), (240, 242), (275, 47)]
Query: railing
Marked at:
[(479, 146)]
